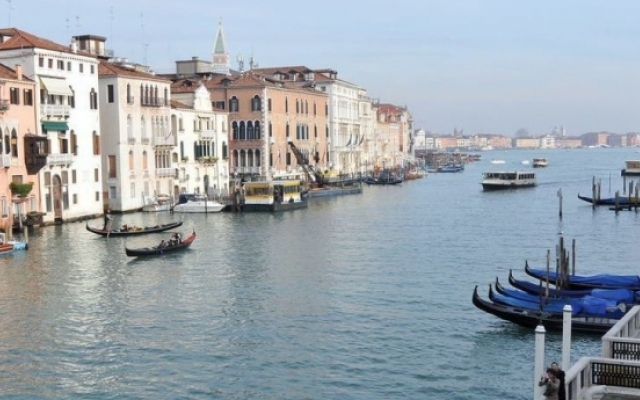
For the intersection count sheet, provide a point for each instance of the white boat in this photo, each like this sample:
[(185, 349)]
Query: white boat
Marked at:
[(496, 161), (199, 205), (508, 180), (525, 162), (160, 202), (632, 168), (540, 162)]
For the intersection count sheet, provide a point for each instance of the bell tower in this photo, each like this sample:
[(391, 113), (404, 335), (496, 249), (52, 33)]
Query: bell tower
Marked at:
[(220, 64)]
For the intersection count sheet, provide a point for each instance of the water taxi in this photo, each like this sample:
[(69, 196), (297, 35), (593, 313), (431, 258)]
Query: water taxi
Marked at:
[(276, 195), (508, 180), (540, 162), (632, 168)]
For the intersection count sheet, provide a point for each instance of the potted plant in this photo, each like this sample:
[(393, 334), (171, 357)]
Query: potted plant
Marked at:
[(21, 189)]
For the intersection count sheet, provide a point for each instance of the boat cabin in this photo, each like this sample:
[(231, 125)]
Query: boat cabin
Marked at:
[(508, 180), (632, 168)]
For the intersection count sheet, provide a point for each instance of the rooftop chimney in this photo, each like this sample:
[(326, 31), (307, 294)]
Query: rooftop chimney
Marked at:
[(19, 71)]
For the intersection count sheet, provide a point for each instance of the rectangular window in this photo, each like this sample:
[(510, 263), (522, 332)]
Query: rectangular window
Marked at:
[(93, 100), (14, 95), (50, 62), (68, 65), (112, 192), (110, 93), (5, 207), (93, 69), (96, 174), (73, 176), (81, 67), (75, 198), (269, 104), (28, 97), (112, 166), (71, 100), (61, 64), (133, 190), (41, 62), (97, 196)]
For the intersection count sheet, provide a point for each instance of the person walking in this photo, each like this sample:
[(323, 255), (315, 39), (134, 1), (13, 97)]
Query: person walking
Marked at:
[(551, 384), (560, 375)]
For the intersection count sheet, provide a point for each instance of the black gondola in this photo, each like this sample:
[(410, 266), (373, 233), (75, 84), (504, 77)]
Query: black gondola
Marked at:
[(131, 231), (161, 250), (531, 319), (611, 201), (536, 288), (577, 282)]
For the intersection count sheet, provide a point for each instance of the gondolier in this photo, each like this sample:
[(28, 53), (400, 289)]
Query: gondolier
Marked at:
[(107, 219)]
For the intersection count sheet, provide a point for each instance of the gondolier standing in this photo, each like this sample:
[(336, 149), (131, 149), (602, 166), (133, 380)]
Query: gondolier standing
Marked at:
[(107, 220)]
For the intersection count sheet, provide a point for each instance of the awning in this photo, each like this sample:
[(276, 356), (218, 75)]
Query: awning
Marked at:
[(55, 126), (56, 86)]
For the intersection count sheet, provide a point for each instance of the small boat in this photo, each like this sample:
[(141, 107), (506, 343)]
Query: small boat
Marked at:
[(158, 203), (173, 245), (603, 281), (525, 162), (532, 318), (540, 162), (451, 168), (9, 246), (508, 180), (126, 230), (632, 168), (380, 181), (199, 205), (496, 161), (537, 288), (612, 201)]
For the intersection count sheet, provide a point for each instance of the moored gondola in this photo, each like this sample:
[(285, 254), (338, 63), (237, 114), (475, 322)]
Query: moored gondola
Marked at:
[(169, 247), (133, 230), (603, 281), (540, 287), (531, 319)]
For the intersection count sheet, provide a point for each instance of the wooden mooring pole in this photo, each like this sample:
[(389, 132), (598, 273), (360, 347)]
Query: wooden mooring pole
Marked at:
[(560, 203)]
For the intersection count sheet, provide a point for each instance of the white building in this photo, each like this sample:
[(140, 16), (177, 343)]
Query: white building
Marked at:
[(203, 142), (67, 84), (137, 140)]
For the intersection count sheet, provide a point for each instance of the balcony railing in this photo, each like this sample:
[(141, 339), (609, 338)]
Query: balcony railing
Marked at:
[(153, 102), (207, 134), (165, 140), (132, 174), (131, 140), (144, 140), (167, 172), (247, 170), (145, 173), (60, 159), (4, 105), (5, 161), (54, 110)]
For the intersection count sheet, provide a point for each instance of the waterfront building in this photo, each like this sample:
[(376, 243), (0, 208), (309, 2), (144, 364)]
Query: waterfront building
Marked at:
[(203, 140), (350, 114), (19, 157), (66, 83), (526, 143), (392, 134), (138, 141)]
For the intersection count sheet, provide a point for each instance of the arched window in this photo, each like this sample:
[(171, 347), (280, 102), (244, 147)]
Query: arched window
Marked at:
[(315, 131), (234, 130), (256, 129), (235, 158), (242, 135), (131, 160), (4, 146), (243, 158), (225, 150), (297, 106), (306, 107), (314, 108), (182, 150), (298, 135), (14, 143), (250, 158), (286, 105), (250, 130), (287, 129), (129, 98), (145, 160), (257, 158), (166, 97), (143, 128), (73, 142), (233, 104), (129, 127), (255, 103), (270, 129), (96, 143)]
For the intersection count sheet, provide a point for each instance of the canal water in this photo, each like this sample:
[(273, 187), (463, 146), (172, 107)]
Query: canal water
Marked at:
[(359, 297)]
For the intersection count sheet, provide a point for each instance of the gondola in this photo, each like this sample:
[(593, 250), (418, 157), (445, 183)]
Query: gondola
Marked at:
[(603, 281), (158, 250), (611, 201), (131, 231), (531, 319), (536, 288), (373, 181)]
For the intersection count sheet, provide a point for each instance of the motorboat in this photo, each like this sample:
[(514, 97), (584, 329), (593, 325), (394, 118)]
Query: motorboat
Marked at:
[(497, 161), (508, 180), (199, 204), (540, 162)]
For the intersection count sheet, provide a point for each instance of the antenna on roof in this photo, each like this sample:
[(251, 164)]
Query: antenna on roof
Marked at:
[(77, 22), (10, 8), (111, 21)]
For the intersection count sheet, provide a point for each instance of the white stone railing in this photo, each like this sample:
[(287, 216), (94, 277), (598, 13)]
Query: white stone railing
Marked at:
[(5, 160), (207, 134), (621, 341), (54, 110), (166, 172), (168, 140), (597, 375), (60, 159)]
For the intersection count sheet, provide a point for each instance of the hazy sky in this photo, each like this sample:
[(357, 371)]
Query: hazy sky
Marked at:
[(489, 66)]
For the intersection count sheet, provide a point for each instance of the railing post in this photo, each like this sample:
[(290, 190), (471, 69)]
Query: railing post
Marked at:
[(538, 368), (566, 337)]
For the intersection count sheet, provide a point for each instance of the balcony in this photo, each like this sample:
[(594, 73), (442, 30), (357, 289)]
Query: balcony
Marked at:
[(167, 172), (204, 135), (60, 159), (132, 174), (145, 140), (54, 110), (153, 102), (4, 105), (165, 140), (131, 140), (5, 161)]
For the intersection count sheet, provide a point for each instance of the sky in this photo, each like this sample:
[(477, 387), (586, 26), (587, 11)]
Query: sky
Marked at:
[(481, 66)]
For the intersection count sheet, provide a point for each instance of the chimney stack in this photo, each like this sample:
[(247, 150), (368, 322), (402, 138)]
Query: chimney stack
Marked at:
[(19, 71)]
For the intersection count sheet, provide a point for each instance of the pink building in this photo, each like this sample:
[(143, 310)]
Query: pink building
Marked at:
[(18, 104)]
